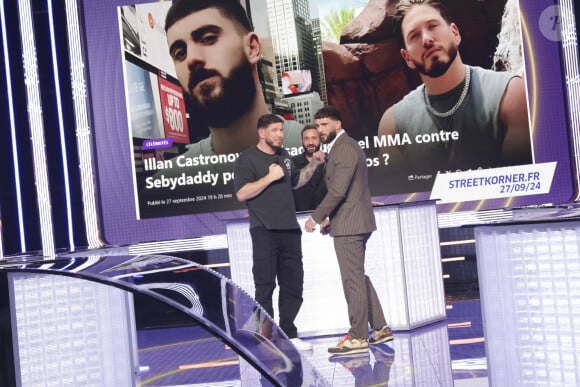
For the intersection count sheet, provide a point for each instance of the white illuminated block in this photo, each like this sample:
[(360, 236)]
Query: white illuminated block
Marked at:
[(419, 262), (324, 308), (529, 278), (71, 332), (403, 260)]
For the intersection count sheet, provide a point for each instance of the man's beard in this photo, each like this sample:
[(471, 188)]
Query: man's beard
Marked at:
[(272, 144), (331, 136), (310, 153), (438, 68), (234, 100)]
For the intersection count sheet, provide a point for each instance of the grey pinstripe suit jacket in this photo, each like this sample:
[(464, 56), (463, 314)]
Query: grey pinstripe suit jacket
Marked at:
[(348, 201)]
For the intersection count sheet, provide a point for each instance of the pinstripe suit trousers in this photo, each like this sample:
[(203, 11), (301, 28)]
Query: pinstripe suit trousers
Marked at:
[(362, 301)]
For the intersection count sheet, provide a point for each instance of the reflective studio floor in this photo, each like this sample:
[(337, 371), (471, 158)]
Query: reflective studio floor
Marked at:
[(446, 353)]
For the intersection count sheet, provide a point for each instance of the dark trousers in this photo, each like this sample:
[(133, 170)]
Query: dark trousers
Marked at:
[(277, 254)]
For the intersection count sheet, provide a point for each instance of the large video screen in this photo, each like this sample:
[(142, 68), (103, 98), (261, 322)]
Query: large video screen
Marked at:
[(165, 162)]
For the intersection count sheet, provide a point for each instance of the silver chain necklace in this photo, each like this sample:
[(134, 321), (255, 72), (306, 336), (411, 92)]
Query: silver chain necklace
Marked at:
[(459, 101)]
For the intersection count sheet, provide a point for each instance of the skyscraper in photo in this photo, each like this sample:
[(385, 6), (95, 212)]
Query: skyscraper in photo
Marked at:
[(293, 40), (317, 37)]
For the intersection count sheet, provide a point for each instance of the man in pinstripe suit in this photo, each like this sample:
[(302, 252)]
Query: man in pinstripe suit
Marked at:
[(346, 213)]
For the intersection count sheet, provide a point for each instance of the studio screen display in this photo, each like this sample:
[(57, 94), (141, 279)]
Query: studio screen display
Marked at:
[(157, 182)]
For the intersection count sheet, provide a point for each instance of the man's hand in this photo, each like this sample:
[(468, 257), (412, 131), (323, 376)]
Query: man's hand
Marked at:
[(310, 225), (275, 172), (254, 188), (306, 173), (319, 157), (325, 226)]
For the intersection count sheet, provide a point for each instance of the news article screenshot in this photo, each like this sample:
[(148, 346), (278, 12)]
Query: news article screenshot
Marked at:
[(176, 171), (414, 117)]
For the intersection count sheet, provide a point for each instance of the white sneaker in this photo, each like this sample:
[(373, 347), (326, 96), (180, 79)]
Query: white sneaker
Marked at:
[(301, 345)]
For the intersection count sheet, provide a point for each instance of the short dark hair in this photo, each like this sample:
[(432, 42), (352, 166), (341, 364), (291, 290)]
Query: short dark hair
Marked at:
[(268, 119), (308, 127), (231, 9), (328, 112), (404, 6)]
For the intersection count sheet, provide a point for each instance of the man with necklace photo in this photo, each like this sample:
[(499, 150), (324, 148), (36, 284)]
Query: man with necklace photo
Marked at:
[(462, 117)]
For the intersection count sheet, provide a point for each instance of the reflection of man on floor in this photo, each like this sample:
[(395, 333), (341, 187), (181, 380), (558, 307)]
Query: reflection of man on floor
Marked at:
[(365, 374), (462, 117), (216, 56)]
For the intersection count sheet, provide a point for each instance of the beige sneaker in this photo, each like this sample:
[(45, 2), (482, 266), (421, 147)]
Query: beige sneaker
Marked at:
[(382, 335), (348, 345)]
